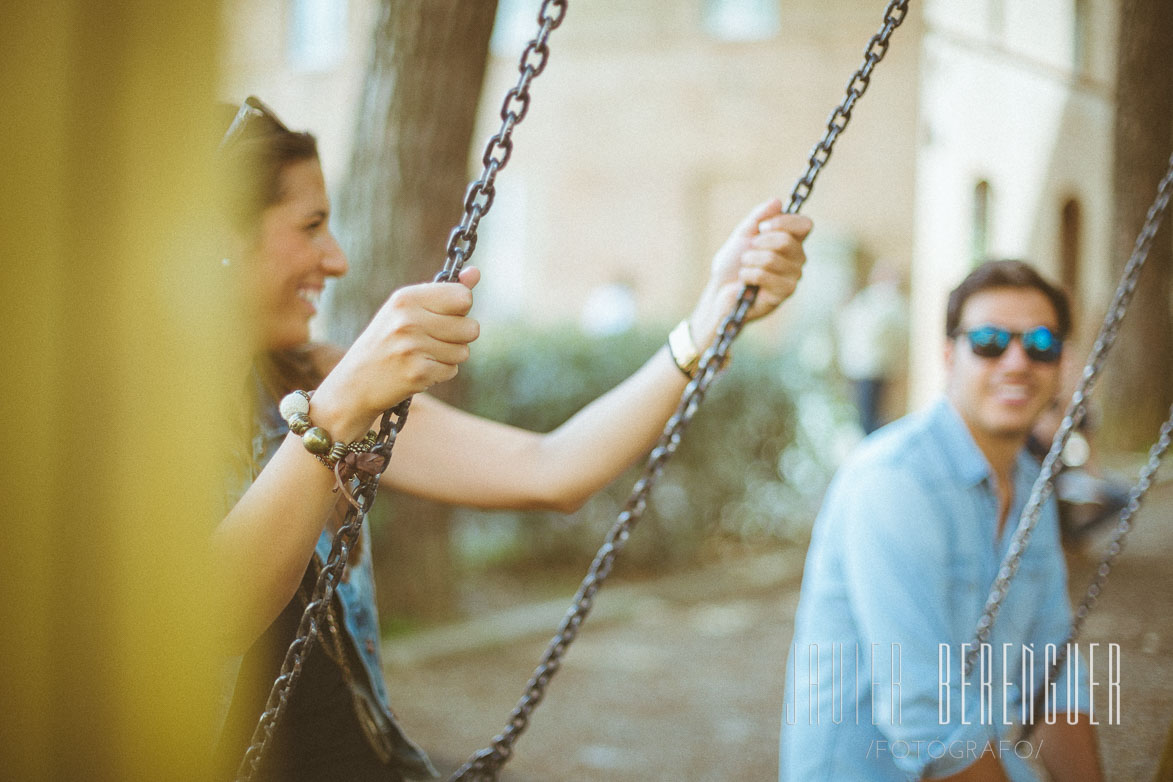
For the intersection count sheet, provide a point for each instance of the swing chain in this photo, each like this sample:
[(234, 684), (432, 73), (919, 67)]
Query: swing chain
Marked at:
[(319, 603), (485, 765), (1075, 413), (1115, 546), (1124, 525), (461, 243), (479, 196), (874, 52)]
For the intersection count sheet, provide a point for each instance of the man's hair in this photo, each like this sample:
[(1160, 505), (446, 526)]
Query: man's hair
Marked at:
[(1006, 274)]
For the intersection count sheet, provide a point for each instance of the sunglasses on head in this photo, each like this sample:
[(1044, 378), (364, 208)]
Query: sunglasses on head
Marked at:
[(245, 122), (1040, 343)]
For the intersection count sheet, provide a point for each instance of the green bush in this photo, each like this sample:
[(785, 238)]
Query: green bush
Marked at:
[(752, 465)]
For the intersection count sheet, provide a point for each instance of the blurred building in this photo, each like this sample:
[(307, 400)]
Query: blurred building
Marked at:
[(1014, 156), (306, 59), (653, 130), (657, 126), (987, 131)]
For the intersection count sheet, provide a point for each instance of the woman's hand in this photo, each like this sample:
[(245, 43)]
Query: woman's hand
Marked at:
[(418, 338), (765, 250)]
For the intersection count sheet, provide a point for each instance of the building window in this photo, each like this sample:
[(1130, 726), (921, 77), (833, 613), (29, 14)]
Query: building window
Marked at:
[(317, 34), (742, 20), (980, 237), (1079, 36), (1069, 247), (995, 20)]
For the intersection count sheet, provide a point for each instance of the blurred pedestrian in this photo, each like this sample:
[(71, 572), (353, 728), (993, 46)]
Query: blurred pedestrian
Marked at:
[(872, 331)]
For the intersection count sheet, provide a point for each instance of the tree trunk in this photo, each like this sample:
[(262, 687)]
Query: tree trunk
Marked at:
[(402, 195), (1139, 376)]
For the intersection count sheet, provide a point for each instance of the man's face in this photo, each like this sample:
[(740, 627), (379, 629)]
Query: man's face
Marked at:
[(1000, 398)]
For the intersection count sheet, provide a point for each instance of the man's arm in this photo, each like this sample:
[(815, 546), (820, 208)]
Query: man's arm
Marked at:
[(986, 769), (1069, 752)]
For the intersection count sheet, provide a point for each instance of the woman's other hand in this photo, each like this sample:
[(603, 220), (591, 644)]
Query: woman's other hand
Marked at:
[(765, 249)]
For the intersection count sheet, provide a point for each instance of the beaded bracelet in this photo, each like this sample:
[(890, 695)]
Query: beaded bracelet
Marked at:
[(295, 409)]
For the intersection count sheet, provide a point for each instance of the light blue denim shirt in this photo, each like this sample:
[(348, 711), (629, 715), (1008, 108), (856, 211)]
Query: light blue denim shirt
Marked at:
[(902, 556)]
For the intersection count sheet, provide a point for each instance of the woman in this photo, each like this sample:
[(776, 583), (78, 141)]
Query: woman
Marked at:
[(338, 723)]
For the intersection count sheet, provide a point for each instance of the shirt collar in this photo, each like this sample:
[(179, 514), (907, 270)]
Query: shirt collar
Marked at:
[(961, 453)]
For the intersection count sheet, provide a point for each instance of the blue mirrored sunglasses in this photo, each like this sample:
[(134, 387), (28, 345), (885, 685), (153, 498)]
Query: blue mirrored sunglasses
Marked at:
[(1040, 343)]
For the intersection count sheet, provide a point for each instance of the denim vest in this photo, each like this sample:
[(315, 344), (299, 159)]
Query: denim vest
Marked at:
[(355, 592)]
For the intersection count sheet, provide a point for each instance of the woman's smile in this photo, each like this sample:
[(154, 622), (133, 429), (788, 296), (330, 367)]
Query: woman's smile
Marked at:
[(295, 255)]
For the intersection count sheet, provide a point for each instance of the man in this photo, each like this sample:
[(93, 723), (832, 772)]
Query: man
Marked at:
[(903, 553)]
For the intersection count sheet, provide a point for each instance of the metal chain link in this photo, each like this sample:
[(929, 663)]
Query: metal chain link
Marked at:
[(461, 243), (874, 52), (319, 603), (1115, 546), (1075, 413), (485, 764), (1124, 525), (479, 197)]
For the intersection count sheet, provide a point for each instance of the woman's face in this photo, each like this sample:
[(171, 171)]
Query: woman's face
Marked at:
[(293, 255)]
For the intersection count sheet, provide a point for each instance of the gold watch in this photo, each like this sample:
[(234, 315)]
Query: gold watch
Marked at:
[(683, 349)]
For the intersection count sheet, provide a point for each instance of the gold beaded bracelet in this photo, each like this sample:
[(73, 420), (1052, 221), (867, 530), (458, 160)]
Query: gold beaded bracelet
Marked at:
[(295, 409)]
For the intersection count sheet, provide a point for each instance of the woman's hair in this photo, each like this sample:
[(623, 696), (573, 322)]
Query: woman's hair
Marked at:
[(301, 367), (250, 163), (1006, 274), (250, 160)]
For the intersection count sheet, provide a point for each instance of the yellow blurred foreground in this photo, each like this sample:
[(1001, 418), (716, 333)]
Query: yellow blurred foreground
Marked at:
[(113, 389)]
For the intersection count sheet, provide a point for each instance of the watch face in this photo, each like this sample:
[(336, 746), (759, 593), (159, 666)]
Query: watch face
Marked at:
[(683, 350), (1077, 451)]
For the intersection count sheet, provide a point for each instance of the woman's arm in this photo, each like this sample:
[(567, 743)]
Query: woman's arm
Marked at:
[(452, 456), (263, 545), (418, 338)]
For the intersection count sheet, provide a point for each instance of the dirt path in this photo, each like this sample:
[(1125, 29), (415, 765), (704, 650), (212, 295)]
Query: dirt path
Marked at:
[(681, 678)]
